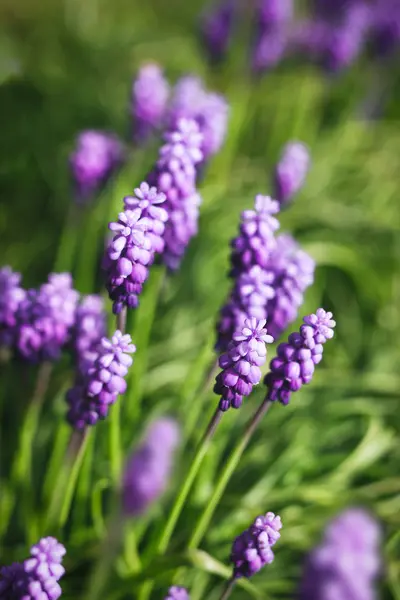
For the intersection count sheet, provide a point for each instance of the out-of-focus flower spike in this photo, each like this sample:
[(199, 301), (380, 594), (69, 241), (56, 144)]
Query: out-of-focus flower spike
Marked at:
[(291, 171), (150, 93)]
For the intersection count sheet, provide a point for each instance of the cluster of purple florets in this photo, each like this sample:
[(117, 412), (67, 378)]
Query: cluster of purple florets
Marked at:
[(138, 236), (177, 593), (37, 577), (150, 94), (334, 35), (252, 549), (93, 393), (296, 360)]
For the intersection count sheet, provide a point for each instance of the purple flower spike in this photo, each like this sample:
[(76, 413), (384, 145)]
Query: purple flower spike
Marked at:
[(11, 296), (150, 92), (37, 577), (385, 26), (252, 549), (209, 110), (291, 171), (241, 363), (138, 236), (97, 154), (271, 36), (148, 470), (89, 328), (96, 390), (175, 176), (296, 360), (44, 319), (275, 12), (347, 562), (293, 271), (217, 28), (177, 593), (256, 241)]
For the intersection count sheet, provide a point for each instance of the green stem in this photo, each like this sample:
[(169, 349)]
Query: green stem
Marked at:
[(69, 240), (131, 550), (77, 459), (230, 584), (206, 516), (115, 446), (188, 482), (21, 470), (109, 551)]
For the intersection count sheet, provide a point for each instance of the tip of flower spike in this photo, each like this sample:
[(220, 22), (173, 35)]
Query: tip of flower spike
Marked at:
[(253, 328), (266, 204)]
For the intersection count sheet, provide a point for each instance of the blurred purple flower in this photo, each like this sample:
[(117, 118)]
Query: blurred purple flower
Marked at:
[(148, 470), (291, 171), (96, 155), (293, 272), (150, 93), (347, 562), (217, 27), (240, 365), (211, 112), (11, 296), (385, 26), (177, 593), (271, 36), (44, 319), (252, 549), (96, 390), (89, 328), (138, 235), (295, 362), (175, 176)]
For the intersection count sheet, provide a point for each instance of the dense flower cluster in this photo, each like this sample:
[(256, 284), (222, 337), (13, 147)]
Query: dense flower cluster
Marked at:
[(241, 363), (150, 93), (217, 27), (148, 470), (96, 155), (38, 576), (11, 296), (295, 362), (209, 110), (138, 236), (347, 562), (291, 171), (95, 391), (175, 176), (293, 272), (177, 593), (252, 549), (89, 328), (44, 319)]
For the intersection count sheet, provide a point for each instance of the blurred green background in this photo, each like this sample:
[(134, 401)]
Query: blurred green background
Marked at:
[(66, 66)]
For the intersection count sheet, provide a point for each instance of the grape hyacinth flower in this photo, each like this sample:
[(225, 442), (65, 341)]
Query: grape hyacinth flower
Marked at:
[(249, 298), (252, 549), (150, 93), (241, 363), (177, 593), (11, 296), (209, 110), (291, 171), (271, 38), (96, 156), (44, 319), (148, 471), (385, 27), (89, 328), (175, 176), (347, 562), (293, 271), (93, 393), (38, 576), (138, 235), (217, 28), (296, 360), (256, 240)]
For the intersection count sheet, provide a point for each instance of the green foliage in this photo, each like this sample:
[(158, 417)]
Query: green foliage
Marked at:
[(69, 66)]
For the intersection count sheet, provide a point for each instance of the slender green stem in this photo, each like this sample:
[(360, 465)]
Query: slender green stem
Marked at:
[(206, 516), (69, 239), (77, 459), (115, 445), (230, 584), (109, 551), (121, 320), (188, 482), (131, 550), (21, 470)]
